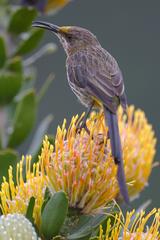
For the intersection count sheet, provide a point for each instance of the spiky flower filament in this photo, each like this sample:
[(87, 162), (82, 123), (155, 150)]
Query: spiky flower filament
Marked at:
[(83, 166), (15, 197), (134, 226), (138, 144)]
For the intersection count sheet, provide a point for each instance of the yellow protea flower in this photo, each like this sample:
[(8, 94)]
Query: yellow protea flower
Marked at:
[(83, 166), (15, 197), (132, 226), (138, 144)]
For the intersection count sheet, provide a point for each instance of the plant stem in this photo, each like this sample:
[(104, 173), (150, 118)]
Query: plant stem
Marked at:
[(3, 120)]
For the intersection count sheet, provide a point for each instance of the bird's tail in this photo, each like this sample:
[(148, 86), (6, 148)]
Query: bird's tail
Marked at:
[(112, 122)]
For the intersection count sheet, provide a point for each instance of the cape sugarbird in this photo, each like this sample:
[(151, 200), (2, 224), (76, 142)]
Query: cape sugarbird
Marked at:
[(96, 79)]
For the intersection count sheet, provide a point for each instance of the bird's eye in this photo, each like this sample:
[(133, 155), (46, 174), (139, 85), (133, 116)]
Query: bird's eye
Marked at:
[(69, 36)]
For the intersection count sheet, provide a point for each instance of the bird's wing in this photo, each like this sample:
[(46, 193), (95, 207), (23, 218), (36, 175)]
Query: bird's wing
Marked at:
[(99, 75), (117, 81)]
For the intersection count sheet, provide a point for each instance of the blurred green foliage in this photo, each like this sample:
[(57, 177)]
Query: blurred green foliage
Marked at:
[(59, 221), (19, 99)]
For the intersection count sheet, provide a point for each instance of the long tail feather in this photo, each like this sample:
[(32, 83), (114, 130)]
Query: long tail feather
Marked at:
[(112, 122)]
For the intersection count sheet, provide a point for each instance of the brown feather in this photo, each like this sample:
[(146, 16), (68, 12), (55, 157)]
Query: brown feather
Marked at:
[(95, 73)]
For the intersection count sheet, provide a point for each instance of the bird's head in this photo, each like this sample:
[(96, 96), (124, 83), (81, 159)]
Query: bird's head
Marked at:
[(72, 38)]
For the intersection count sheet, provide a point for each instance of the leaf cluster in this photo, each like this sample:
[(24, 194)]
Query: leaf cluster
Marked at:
[(19, 99), (58, 220)]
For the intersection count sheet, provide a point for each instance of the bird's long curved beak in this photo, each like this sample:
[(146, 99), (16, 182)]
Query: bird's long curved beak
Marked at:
[(46, 25)]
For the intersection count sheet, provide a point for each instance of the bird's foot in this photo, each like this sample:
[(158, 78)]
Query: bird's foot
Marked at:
[(83, 124), (100, 138)]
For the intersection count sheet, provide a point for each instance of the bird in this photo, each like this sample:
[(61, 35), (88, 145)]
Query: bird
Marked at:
[(96, 79)]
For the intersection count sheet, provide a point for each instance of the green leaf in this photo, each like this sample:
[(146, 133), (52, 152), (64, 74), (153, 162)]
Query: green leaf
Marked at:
[(54, 214), (2, 52), (29, 213), (15, 65), (86, 225), (21, 20), (39, 135), (10, 84), (30, 43), (45, 87), (47, 196), (7, 157), (24, 118)]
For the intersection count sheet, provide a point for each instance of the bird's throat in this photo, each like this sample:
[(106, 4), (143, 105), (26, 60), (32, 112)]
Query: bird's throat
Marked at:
[(73, 49)]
